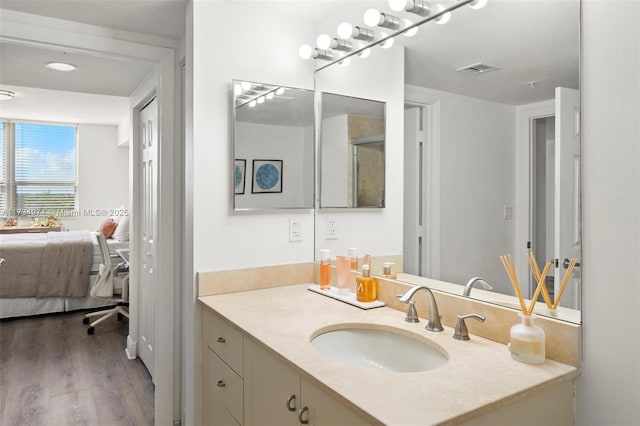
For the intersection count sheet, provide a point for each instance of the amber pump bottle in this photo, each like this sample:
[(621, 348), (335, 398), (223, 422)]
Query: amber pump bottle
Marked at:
[(365, 286), (325, 270)]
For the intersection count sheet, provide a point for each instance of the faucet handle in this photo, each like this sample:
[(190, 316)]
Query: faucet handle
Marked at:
[(461, 332)]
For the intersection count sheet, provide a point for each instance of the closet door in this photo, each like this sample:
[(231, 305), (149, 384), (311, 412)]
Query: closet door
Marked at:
[(149, 215)]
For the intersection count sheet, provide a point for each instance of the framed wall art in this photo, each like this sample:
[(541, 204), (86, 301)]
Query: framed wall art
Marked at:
[(239, 175), (267, 176)]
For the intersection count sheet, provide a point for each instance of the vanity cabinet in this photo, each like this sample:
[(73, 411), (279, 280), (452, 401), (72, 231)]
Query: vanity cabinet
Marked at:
[(245, 384), (277, 395), (223, 384)]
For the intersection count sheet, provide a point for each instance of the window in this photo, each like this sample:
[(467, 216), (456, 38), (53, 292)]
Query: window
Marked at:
[(39, 169)]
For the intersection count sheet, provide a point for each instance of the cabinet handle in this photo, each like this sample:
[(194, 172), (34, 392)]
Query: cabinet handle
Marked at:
[(221, 384), (221, 340), (291, 403), (304, 412)]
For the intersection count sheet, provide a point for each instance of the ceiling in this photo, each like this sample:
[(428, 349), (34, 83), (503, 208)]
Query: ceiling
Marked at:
[(23, 65), (162, 18)]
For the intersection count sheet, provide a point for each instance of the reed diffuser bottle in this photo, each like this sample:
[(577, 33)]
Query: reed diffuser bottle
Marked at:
[(527, 341)]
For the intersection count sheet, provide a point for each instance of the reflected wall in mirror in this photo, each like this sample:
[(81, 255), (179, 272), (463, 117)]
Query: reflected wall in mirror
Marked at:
[(273, 146), (352, 154), (492, 149)]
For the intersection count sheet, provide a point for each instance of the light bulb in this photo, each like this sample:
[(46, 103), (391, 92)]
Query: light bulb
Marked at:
[(305, 51), (280, 91), (397, 5), (270, 95), (260, 100), (323, 41), (413, 31), (345, 62), (444, 18), (371, 17), (245, 85), (387, 43), (345, 30), (365, 53), (252, 104), (237, 89), (478, 4)]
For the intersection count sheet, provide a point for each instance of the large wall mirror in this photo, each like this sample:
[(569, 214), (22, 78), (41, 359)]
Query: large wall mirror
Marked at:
[(492, 149), (352, 154), (273, 146)]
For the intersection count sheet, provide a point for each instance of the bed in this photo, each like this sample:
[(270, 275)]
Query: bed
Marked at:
[(50, 272)]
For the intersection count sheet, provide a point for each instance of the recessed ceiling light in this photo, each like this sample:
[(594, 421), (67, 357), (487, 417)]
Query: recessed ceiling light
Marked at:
[(60, 66), (6, 95)]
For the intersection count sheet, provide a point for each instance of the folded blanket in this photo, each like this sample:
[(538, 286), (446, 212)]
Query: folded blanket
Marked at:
[(20, 274), (65, 264)]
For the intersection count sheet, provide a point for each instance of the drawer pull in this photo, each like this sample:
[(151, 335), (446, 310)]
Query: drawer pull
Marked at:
[(291, 403), (221, 384), (221, 340), (303, 415)]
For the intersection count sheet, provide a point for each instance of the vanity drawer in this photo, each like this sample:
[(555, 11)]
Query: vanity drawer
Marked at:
[(223, 339), (225, 387)]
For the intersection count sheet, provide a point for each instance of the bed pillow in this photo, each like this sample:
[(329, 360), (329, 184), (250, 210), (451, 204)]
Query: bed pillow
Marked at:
[(108, 227), (122, 231)]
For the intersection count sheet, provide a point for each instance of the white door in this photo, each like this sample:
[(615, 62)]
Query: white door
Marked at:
[(148, 215), (412, 191), (567, 193)]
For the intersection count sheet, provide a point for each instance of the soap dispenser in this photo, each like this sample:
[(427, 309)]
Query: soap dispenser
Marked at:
[(365, 286)]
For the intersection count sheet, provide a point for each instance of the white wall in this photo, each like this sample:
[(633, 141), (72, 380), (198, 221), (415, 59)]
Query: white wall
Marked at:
[(287, 143), (477, 174), (267, 52), (374, 231), (103, 176), (608, 392)]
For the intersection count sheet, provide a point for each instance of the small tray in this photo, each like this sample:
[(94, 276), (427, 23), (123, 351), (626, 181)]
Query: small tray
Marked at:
[(349, 298)]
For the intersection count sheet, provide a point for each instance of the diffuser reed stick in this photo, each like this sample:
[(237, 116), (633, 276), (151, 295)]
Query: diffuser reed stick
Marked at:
[(565, 280), (541, 285), (507, 262), (535, 269)]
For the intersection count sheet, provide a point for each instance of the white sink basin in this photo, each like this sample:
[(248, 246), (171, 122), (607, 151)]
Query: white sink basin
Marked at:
[(378, 348)]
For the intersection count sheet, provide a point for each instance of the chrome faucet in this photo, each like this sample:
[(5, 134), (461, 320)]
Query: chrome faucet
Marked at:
[(484, 283), (433, 324)]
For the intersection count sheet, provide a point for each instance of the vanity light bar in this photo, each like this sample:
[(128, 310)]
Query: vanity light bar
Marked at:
[(256, 94), (374, 18)]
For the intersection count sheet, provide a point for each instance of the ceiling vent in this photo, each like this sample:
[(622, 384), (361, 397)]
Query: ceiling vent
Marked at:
[(478, 68)]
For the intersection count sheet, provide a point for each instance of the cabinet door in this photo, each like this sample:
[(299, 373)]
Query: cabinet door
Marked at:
[(323, 410), (222, 399), (271, 391)]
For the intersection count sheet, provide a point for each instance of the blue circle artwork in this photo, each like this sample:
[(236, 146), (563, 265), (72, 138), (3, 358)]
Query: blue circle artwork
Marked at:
[(267, 176), (238, 176)]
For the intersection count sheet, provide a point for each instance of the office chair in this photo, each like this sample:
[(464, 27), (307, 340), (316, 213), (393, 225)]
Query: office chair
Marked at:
[(108, 286)]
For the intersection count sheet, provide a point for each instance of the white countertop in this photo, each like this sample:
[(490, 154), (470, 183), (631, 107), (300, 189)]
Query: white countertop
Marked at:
[(479, 376)]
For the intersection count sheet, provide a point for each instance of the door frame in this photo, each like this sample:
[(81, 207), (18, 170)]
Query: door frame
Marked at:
[(525, 114), (421, 97), (55, 34)]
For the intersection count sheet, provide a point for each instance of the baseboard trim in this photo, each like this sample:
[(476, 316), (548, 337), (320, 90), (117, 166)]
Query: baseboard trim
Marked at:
[(131, 349)]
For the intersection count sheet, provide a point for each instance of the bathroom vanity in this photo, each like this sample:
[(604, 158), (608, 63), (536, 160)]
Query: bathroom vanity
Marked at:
[(259, 367)]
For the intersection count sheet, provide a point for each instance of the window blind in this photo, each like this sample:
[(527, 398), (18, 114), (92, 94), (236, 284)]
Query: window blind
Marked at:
[(45, 169)]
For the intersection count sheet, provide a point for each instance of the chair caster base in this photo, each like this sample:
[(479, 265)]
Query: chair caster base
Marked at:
[(91, 330), (85, 320)]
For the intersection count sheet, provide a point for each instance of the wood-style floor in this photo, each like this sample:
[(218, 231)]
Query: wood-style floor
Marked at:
[(53, 373)]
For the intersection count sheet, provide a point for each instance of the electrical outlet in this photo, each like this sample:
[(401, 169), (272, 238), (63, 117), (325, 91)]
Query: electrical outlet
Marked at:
[(295, 230), (331, 229)]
